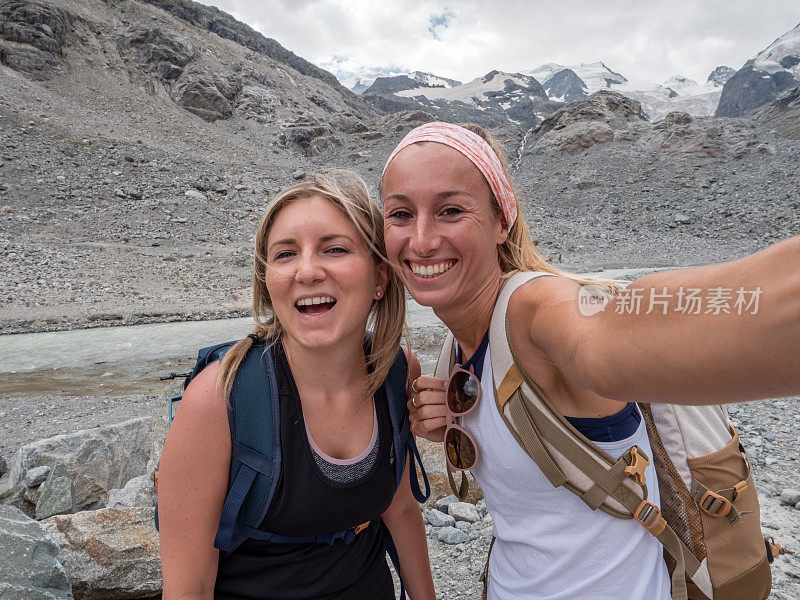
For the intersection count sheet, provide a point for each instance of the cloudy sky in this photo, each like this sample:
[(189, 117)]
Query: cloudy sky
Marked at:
[(645, 40)]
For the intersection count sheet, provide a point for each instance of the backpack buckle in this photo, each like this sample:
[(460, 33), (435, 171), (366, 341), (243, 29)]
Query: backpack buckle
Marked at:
[(639, 462), (715, 505), (359, 528), (738, 490), (649, 515)]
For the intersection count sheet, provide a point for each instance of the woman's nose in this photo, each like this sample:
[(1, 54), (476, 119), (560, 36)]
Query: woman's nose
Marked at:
[(309, 269), (425, 239)]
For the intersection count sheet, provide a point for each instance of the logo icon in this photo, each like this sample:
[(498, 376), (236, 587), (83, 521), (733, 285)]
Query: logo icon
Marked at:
[(592, 300)]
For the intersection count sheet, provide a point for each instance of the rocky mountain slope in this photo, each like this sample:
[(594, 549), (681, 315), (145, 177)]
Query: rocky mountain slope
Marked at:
[(138, 150), (762, 78)]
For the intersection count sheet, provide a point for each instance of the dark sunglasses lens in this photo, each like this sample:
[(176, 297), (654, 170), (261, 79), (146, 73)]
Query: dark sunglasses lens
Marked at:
[(460, 449), (462, 393)]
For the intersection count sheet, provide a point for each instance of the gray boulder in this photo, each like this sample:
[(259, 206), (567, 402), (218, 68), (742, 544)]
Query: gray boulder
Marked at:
[(36, 476), (17, 497), (98, 459), (109, 554), (32, 35), (678, 118), (29, 560), (139, 491), (580, 125), (3, 466), (258, 103), (452, 535), (162, 49), (206, 94), (443, 503), (57, 494), (464, 511), (439, 519), (790, 497)]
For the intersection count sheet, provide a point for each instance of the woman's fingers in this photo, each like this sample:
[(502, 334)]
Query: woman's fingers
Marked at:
[(426, 382), (432, 429), (426, 408), (426, 397)]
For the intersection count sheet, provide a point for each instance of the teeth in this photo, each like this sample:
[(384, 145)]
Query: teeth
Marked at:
[(431, 270), (315, 300)]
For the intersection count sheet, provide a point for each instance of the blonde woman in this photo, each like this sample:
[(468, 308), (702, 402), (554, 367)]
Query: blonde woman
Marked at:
[(455, 234), (319, 279)]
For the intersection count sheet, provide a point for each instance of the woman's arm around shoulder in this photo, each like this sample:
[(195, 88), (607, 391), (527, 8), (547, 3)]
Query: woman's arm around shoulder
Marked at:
[(193, 483)]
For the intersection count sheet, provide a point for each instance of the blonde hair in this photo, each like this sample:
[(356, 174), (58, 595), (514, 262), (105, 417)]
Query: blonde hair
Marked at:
[(518, 252), (347, 192)]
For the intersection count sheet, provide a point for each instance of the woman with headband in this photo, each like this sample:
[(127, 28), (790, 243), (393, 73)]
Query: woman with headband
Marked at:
[(455, 236)]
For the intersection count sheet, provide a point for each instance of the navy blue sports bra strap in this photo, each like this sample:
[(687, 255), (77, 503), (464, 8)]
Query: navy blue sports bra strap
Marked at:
[(414, 458), (391, 550), (346, 536), (226, 533)]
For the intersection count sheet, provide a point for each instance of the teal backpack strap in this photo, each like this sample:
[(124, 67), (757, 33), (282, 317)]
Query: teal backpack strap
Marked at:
[(253, 415)]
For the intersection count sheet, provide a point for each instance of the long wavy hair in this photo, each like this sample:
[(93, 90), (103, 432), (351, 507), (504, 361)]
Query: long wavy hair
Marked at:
[(347, 192)]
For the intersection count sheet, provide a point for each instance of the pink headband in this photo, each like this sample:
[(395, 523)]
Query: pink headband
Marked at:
[(477, 150)]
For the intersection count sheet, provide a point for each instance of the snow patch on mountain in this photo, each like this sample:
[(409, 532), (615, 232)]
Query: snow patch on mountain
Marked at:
[(596, 75), (782, 55), (472, 91), (360, 82)]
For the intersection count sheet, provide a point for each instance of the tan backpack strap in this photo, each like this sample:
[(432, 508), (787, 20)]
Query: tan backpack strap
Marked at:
[(510, 384), (484, 578), (530, 440), (719, 503), (459, 490)]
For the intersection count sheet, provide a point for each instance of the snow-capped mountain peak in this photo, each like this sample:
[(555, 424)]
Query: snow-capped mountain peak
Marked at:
[(782, 54)]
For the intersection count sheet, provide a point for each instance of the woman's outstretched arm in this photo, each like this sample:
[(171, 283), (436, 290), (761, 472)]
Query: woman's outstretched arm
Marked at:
[(193, 482), (715, 334)]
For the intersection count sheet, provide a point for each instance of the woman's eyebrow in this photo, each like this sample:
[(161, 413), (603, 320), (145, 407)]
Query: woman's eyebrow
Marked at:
[(333, 236), (323, 239), (283, 242), (447, 193), (398, 197)]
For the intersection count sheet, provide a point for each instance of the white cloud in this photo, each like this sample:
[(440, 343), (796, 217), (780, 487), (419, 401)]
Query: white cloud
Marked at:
[(647, 40)]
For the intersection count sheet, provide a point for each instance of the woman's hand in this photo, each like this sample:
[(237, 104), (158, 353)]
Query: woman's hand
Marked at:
[(427, 409)]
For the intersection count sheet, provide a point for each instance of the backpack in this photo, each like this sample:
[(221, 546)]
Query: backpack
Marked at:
[(708, 522), (254, 419)]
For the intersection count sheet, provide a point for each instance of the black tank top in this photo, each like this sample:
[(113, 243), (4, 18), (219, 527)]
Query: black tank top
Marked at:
[(308, 503)]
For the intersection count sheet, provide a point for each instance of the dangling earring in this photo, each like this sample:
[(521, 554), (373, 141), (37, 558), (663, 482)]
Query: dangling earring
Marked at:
[(378, 294)]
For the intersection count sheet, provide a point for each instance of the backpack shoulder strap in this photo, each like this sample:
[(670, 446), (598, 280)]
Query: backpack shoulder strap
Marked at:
[(254, 419), (403, 445)]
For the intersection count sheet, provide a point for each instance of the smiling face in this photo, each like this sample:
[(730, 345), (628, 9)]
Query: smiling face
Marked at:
[(440, 226), (320, 275)]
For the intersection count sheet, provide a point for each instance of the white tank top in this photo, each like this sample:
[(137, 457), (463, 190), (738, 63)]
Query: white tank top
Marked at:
[(549, 545)]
